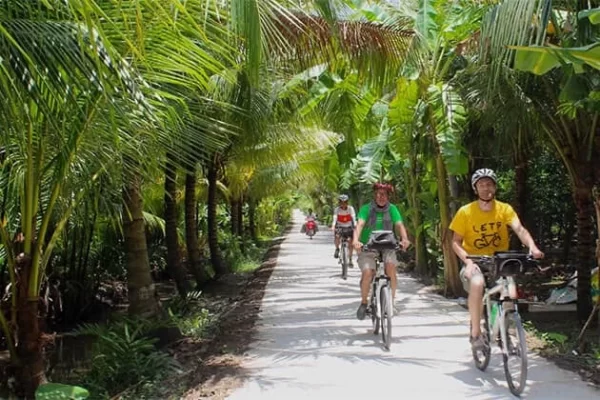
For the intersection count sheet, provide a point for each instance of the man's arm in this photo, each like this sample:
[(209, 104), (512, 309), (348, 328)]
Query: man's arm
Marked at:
[(462, 254), (359, 227), (401, 230), (459, 249), (525, 237)]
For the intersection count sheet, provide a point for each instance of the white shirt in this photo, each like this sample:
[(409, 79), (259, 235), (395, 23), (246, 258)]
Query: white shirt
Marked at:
[(344, 218)]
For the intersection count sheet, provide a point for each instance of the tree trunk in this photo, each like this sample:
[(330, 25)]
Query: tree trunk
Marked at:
[(585, 250), (240, 213), (142, 293), (191, 232), (252, 220), (215, 252), (174, 266), (30, 347), (521, 172), (235, 217), (451, 277), (422, 266), (454, 195)]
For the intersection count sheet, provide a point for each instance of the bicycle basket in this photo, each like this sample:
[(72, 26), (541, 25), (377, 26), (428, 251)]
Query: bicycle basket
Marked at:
[(381, 240), (510, 263)]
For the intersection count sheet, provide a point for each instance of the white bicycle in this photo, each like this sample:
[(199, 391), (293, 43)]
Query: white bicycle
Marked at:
[(501, 320)]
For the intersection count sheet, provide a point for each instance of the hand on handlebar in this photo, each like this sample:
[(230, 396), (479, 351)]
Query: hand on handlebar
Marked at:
[(357, 244), (471, 269), (405, 244), (536, 253)]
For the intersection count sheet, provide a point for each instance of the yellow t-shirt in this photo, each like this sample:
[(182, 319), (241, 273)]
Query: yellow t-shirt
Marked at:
[(484, 232)]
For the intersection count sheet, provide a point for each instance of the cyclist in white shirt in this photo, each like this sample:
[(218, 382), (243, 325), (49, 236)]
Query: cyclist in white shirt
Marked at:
[(344, 221)]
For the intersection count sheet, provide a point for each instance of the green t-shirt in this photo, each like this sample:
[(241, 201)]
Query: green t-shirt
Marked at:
[(363, 214)]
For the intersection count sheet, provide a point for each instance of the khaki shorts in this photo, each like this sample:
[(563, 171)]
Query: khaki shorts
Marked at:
[(466, 281), (366, 259)]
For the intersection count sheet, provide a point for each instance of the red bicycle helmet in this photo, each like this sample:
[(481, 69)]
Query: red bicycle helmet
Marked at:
[(385, 186)]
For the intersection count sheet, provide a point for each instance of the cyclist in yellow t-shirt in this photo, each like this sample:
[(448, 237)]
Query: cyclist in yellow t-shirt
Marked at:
[(481, 228)]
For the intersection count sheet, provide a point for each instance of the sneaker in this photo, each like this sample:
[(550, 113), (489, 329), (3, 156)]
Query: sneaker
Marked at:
[(337, 253), (362, 311), (477, 343), (350, 264)]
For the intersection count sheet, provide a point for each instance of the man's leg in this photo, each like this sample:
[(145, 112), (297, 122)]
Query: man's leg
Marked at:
[(475, 303), (336, 254), (391, 263), (474, 287), (366, 262), (390, 270)]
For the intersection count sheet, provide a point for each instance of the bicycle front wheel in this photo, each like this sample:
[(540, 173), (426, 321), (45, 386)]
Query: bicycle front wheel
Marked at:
[(387, 312), (482, 357), (514, 353)]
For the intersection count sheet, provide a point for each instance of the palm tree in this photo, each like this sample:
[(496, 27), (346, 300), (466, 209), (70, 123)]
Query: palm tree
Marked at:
[(56, 131)]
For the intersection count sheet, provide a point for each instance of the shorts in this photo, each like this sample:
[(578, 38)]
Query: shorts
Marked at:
[(345, 231), (466, 281), (366, 259)]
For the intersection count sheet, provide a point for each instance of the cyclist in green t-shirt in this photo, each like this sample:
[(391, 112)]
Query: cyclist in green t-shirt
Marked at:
[(380, 214)]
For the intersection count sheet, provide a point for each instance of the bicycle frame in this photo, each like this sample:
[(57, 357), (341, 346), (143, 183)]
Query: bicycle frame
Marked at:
[(502, 288), (380, 279)]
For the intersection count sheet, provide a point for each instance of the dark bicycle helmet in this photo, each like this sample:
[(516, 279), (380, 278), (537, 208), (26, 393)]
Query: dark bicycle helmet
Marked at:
[(483, 173)]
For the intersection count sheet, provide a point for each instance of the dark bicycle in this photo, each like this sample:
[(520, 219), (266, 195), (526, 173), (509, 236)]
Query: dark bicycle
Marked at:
[(380, 306), (345, 235), (501, 319)]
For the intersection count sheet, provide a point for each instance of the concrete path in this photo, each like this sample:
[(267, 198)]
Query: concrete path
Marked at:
[(311, 346)]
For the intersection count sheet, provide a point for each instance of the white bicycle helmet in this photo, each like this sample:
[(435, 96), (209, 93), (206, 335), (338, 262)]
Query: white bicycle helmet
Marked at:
[(483, 173), (343, 197)]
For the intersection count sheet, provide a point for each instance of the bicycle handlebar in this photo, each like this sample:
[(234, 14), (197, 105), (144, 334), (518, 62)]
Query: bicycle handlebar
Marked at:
[(397, 247), (499, 260)]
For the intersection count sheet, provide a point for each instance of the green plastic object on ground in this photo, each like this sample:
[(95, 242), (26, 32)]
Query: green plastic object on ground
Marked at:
[(55, 391)]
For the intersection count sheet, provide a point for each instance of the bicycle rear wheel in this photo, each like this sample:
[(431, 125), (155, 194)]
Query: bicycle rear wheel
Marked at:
[(387, 312), (344, 259), (515, 353), (482, 357)]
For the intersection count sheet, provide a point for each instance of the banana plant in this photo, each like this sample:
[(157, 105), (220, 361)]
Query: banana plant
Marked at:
[(566, 103)]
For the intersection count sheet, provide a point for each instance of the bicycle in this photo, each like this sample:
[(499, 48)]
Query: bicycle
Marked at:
[(506, 325), (345, 234), (380, 306)]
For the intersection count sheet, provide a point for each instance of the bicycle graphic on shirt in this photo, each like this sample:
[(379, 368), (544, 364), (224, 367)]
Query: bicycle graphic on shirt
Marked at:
[(493, 239)]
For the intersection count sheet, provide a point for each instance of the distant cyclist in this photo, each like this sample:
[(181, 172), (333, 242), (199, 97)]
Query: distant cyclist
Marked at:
[(344, 221), (481, 229)]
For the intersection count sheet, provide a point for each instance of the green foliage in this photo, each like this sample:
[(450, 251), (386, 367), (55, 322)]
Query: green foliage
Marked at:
[(123, 355), (58, 391)]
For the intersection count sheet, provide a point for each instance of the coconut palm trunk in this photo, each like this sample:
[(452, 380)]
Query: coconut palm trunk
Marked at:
[(585, 249), (141, 290), (174, 266), (252, 220), (235, 217), (29, 349), (216, 257), (191, 232)]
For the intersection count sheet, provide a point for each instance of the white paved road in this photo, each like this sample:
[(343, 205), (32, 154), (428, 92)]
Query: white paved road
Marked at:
[(311, 346)]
